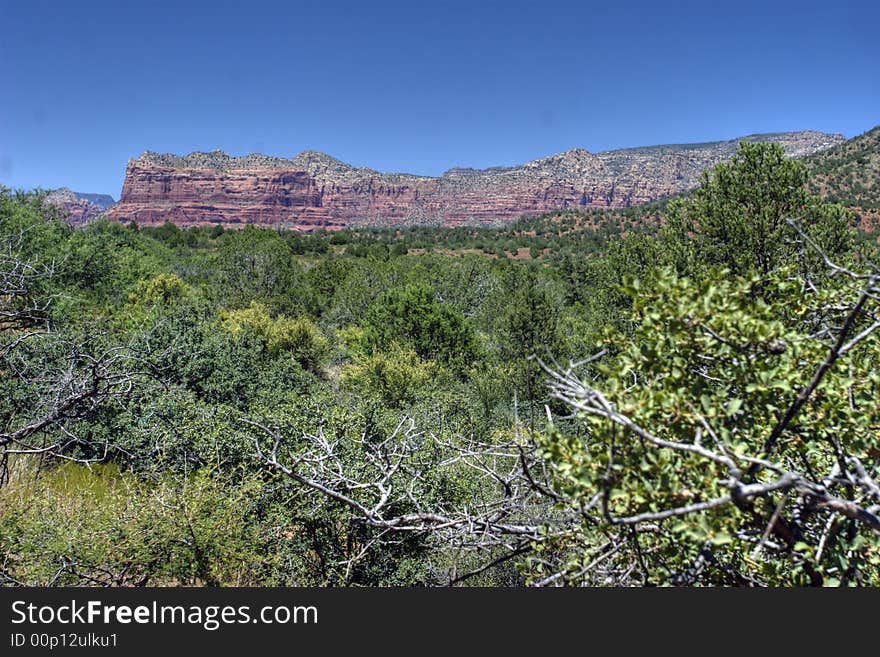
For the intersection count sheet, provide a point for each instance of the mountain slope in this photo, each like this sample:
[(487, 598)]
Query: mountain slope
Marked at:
[(77, 208), (314, 190), (849, 173)]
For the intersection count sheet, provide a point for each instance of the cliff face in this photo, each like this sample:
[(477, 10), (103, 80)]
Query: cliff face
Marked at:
[(78, 209), (155, 194), (314, 190)]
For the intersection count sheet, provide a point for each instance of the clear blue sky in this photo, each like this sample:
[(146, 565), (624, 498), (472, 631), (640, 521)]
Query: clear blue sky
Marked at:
[(416, 86)]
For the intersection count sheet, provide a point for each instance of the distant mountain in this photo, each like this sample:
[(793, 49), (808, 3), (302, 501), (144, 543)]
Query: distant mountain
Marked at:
[(849, 173), (103, 201), (314, 190), (77, 208)]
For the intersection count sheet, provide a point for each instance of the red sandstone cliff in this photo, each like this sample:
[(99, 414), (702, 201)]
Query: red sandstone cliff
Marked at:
[(314, 190)]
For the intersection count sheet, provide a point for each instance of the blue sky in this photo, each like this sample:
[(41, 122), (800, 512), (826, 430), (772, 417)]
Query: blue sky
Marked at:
[(417, 87)]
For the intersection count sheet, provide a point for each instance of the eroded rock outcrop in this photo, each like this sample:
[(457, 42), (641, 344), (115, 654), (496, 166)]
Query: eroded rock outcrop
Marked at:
[(315, 191), (76, 208)]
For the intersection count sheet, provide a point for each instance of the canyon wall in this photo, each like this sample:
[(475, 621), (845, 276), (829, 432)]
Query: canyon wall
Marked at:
[(315, 191)]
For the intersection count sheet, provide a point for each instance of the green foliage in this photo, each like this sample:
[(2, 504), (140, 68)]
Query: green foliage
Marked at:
[(300, 337), (105, 261), (723, 358), (163, 290), (255, 265), (396, 375), (527, 329), (737, 217), (111, 529), (31, 242), (413, 316), (596, 283)]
